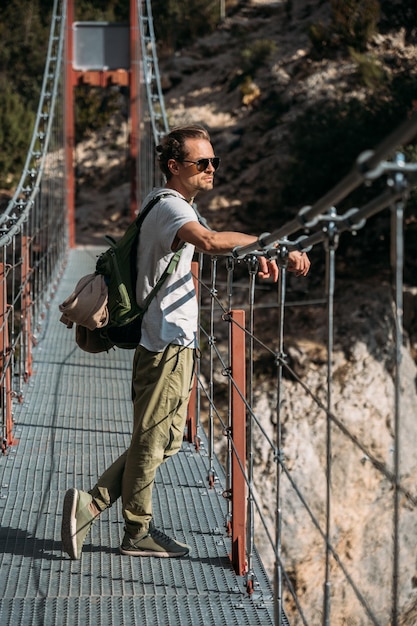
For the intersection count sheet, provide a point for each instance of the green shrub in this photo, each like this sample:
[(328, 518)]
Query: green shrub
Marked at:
[(370, 72), (353, 24), (320, 37), (355, 21), (178, 23), (101, 10), (16, 123), (255, 54), (94, 107)]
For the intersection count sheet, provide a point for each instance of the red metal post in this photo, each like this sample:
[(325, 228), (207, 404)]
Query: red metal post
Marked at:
[(238, 427), (26, 330), (69, 124), (101, 78), (192, 404), (5, 377), (134, 106), (192, 414)]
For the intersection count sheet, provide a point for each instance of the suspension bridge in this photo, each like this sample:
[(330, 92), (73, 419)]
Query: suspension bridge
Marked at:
[(66, 414)]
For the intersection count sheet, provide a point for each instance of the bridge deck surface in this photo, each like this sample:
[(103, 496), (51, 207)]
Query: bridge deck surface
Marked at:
[(74, 421)]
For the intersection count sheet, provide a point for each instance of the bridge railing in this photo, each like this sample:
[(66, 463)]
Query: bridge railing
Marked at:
[(33, 235), (152, 116), (246, 411)]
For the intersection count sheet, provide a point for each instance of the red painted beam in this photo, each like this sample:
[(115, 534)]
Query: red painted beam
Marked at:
[(238, 432)]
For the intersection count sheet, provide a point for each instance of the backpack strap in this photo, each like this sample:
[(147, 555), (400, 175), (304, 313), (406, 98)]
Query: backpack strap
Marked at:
[(141, 216), (170, 269)]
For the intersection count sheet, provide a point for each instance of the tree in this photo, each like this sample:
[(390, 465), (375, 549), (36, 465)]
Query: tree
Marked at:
[(16, 123), (24, 35)]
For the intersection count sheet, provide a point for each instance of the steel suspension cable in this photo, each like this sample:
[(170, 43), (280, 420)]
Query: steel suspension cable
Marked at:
[(278, 569), (397, 261)]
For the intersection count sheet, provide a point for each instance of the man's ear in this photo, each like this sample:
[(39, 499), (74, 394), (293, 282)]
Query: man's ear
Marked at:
[(173, 166)]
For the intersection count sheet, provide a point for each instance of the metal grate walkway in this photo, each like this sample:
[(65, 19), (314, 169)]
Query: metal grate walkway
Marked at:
[(74, 421)]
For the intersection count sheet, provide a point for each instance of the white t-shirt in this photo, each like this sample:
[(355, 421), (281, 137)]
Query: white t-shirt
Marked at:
[(172, 314)]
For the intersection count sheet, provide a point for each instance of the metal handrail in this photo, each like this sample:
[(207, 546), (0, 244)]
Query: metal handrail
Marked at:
[(152, 79), (33, 233), (17, 210)]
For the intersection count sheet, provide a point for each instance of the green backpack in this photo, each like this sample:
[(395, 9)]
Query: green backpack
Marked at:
[(118, 266)]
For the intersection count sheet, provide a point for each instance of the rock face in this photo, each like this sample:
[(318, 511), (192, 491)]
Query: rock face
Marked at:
[(361, 473), (102, 183), (363, 428)]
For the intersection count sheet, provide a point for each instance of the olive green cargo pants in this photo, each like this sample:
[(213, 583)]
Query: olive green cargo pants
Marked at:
[(161, 385)]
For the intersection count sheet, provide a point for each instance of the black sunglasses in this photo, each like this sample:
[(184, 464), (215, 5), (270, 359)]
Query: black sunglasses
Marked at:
[(202, 164)]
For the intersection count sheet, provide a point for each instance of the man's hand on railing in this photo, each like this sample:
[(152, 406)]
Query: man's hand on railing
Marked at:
[(268, 268), (298, 262)]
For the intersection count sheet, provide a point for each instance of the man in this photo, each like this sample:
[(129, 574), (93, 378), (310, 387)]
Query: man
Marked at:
[(164, 361)]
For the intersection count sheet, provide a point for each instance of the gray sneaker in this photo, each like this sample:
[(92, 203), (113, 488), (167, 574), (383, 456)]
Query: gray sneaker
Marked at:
[(155, 543), (77, 520)]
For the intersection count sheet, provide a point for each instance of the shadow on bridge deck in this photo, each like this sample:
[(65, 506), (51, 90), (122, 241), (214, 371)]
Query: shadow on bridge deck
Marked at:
[(74, 421)]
